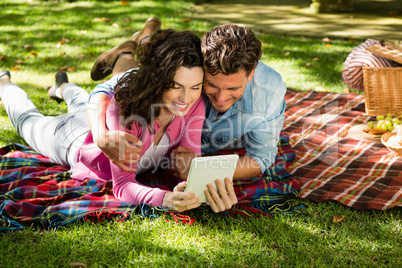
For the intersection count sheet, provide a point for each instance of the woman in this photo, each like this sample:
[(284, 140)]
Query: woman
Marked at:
[(159, 102)]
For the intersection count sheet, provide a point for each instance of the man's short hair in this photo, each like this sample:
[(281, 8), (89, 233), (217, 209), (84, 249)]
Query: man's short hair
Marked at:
[(228, 49)]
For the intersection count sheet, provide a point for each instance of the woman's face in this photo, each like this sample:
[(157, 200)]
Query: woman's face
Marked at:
[(185, 92)]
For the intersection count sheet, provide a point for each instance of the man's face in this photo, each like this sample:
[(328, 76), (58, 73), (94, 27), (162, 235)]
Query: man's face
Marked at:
[(224, 90)]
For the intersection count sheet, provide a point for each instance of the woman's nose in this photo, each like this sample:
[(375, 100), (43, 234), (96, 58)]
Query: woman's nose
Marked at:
[(185, 96)]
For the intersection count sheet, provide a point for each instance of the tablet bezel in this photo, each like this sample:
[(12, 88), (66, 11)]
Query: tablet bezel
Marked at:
[(207, 169)]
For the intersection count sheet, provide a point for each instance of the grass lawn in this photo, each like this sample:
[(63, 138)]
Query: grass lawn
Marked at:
[(39, 38)]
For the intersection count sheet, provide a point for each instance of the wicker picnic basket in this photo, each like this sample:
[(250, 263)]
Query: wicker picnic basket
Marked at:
[(383, 85), (383, 90)]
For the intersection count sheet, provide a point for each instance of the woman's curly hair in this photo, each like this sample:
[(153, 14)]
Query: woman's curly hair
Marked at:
[(158, 59)]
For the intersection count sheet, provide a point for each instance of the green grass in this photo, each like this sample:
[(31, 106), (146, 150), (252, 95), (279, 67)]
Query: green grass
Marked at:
[(307, 238)]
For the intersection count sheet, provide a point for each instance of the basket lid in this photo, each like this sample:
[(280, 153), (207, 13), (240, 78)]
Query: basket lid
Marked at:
[(389, 51)]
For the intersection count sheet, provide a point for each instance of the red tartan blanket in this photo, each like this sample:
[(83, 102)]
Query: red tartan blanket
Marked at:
[(331, 166), (328, 165), (35, 191)]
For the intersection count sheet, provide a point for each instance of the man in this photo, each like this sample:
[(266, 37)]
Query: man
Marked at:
[(244, 101), (245, 107)]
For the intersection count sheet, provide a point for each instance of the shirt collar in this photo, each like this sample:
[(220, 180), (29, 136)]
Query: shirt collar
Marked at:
[(245, 102)]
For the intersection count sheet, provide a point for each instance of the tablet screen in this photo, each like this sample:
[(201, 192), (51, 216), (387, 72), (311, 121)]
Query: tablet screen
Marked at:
[(204, 170)]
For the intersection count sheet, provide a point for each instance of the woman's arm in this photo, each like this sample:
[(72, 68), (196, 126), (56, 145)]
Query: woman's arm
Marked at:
[(127, 189)]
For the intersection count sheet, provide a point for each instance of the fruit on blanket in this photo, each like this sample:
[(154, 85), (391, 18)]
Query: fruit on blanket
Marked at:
[(387, 123)]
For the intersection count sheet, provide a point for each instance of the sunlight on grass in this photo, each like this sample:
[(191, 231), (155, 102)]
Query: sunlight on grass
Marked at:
[(306, 238)]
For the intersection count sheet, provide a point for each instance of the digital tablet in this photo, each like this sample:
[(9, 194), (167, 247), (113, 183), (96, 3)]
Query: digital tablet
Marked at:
[(204, 170)]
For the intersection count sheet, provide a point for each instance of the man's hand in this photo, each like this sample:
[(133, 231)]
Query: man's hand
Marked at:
[(122, 148), (181, 158), (222, 200), (179, 200)]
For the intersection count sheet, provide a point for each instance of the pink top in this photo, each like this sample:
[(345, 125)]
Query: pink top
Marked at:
[(93, 164)]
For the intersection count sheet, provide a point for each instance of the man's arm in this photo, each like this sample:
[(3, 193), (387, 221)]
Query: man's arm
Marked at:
[(114, 144), (262, 142), (247, 167)]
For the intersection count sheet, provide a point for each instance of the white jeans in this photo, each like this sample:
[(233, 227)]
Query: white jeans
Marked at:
[(57, 137)]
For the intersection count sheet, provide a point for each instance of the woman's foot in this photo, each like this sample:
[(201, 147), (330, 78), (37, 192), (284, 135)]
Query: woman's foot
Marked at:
[(151, 25), (55, 91), (104, 64), (4, 77), (123, 63)]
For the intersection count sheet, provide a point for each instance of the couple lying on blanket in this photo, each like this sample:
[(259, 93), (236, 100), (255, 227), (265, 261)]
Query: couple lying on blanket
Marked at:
[(152, 110)]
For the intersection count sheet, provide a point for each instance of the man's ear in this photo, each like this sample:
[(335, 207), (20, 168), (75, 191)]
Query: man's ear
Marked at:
[(250, 76)]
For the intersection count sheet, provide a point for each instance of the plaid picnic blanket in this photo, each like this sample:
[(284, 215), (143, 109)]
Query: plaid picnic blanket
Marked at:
[(328, 165), (331, 166), (35, 191)]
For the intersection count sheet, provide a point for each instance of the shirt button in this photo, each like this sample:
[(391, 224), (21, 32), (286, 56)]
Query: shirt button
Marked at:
[(172, 142), (170, 129)]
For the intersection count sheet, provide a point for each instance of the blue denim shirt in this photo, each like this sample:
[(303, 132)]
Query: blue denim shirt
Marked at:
[(254, 121)]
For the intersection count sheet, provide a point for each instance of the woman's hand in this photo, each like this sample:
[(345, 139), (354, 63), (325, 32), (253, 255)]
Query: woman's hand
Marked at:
[(222, 200), (122, 148), (179, 200)]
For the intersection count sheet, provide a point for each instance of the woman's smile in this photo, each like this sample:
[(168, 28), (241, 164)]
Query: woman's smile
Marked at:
[(180, 107)]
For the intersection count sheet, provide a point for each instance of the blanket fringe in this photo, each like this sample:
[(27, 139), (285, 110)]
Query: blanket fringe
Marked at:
[(145, 211), (179, 218), (100, 216), (247, 210)]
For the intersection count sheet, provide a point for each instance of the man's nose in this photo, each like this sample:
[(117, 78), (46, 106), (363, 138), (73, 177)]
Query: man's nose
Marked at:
[(221, 96)]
